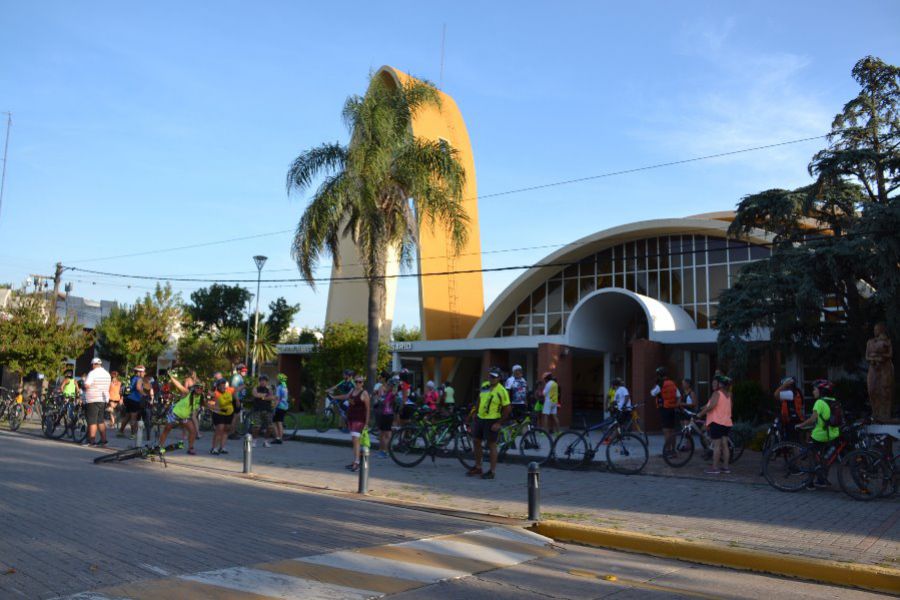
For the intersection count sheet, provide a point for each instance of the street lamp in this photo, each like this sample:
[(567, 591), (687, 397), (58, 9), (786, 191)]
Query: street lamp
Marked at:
[(247, 343), (260, 262), (68, 291)]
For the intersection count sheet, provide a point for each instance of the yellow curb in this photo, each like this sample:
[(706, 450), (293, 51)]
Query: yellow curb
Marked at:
[(870, 577)]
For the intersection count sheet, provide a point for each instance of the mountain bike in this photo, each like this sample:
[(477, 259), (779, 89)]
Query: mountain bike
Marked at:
[(684, 443), (626, 453), (533, 443), (333, 414), (65, 417), (12, 407), (879, 460), (145, 452), (410, 444)]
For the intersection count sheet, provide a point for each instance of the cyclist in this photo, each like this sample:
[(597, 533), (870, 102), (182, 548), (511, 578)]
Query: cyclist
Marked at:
[(430, 399), (96, 395), (790, 399), (115, 397), (668, 399), (823, 434), (240, 395), (282, 403), (222, 406), (687, 402), (517, 388), (448, 396), (261, 415), (133, 406), (357, 417), (493, 411), (718, 422), (549, 420), (622, 404), (68, 387), (386, 416), (341, 390), (179, 415)]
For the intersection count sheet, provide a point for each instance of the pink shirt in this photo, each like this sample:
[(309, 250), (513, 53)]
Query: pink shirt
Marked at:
[(721, 413)]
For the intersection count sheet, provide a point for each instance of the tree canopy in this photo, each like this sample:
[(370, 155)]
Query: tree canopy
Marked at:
[(141, 332), (219, 306), (835, 263), (343, 346), (281, 315)]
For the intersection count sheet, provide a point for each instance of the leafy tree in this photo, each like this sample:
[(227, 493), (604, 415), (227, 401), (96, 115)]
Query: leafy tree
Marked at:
[(262, 348), (197, 352), (403, 334), (367, 189), (835, 264), (219, 306), (32, 341), (139, 333), (230, 343), (343, 346), (280, 317)]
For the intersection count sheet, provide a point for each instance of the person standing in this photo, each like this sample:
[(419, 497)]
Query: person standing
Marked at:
[(517, 388), (790, 400), (115, 397), (622, 405), (282, 404), (668, 400), (133, 405), (240, 394), (387, 416), (96, 395), (448, 397), (493, 411), (357, 417), (222, 406), (430, 399), (718, 423), (550, 407), (261, 416), (68, 387)]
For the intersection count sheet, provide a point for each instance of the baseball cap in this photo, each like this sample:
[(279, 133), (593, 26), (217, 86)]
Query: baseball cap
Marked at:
[(96, 361), (517, 367), (494, 372), (140, 368)]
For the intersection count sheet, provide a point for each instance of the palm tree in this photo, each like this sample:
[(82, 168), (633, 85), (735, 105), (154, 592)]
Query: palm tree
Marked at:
[(367, 189), (229, 342), (263, 349)]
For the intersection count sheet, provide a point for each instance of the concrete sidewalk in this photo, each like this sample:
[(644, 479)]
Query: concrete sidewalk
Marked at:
[(738, 510)]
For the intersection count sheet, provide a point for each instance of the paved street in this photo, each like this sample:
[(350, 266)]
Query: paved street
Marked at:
[(127, 530)]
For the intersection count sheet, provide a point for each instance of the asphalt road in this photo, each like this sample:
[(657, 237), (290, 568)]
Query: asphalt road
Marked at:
[(69, 526)]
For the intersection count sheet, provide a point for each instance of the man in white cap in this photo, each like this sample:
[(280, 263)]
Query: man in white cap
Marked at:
[(517, 387), (96, 395)]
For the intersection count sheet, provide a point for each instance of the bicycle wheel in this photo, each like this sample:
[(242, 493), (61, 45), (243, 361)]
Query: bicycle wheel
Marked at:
[(79, 428), (536, 445), (463, 448), (627, 454), (684, 450), (119, 456), (408, 446), (571, 450), (789, 467), (771, 441), (16, 416), (49, 424), (736, 446), (324, 420), (863, 474)]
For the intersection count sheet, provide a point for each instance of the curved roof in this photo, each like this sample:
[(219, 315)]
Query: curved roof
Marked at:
[(516, 292)]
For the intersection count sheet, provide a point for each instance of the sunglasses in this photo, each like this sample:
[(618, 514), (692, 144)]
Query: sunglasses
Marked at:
[(360, 381)]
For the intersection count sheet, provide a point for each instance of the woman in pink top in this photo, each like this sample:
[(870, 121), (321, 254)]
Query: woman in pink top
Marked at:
[(718, 423)]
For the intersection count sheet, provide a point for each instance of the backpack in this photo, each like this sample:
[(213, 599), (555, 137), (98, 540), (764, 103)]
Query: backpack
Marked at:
[(836, 416)]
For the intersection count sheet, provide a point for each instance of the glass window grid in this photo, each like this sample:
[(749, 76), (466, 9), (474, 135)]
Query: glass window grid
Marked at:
[(693, 254)]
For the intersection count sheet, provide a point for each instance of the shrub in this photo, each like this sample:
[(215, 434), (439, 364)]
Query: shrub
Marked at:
[(748, 400)]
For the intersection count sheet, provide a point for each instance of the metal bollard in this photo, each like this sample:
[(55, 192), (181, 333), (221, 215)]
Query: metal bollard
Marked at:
[(534, 492), (248, 454), (139, 440), (363, 471)]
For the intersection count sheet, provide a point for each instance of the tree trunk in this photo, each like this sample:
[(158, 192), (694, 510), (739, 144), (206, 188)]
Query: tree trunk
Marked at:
[(375, 318)]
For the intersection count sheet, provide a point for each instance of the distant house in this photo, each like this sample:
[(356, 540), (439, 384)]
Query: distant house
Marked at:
[(89, 314)]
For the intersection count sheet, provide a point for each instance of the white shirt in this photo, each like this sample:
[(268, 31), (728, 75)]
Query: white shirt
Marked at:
[(622, 398), (656, 391), (96, 386)]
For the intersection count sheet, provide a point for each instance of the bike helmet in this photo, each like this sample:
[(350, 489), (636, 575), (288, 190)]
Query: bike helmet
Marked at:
[(723, 379), (824, 386), (349, 372), (221, 381), (516, 368), (494, 372), (617, 381), (282, 378), (430, 384), (788, 380), (660, 371)]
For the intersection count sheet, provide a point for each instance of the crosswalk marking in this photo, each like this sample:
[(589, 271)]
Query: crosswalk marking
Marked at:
[(352, 574)]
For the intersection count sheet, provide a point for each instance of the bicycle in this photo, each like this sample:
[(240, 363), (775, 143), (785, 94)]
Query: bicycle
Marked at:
[(791, 467), (684, 443), (332, 410), (144, 452), (626, 453), (533, 443), (409, 445), (634, 423), (875, 462), (12, 408)]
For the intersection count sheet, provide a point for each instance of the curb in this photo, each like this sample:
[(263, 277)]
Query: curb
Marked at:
[(869, 577)]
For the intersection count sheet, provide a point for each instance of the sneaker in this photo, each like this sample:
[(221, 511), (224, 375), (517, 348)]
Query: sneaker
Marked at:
[(821, 484), (191, 451), (474, 471), (350, 466), (712, 471), (726, 471), (267, 444), (213, 451), (131, 437), (277, 441), (223, 451), (102, 443), (488, 475), (354, 467)]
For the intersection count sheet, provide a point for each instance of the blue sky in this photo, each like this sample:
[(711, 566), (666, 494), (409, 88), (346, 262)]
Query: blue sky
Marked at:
[(144, 126)]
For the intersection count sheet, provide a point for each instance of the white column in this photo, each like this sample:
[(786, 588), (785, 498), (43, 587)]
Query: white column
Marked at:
[(607, 377)]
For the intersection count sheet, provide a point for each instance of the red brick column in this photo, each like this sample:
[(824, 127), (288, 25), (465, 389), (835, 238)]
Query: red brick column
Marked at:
[(646, 356), (557, 359)]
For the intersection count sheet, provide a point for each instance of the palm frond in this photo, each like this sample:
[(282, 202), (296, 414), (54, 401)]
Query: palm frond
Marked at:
[(327, 158)]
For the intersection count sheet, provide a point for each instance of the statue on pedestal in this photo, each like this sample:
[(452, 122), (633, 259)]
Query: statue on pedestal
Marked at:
[(880, 380)]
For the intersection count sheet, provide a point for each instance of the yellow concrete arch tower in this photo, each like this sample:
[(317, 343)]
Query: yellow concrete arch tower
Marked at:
[(449, 304)]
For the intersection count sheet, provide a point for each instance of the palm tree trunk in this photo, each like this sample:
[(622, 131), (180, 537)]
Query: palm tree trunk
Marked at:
[(375, 318)]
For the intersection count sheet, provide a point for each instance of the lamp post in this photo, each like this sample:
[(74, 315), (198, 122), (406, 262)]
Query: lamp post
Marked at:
[(260, 262), (247, 343), (69, 291)]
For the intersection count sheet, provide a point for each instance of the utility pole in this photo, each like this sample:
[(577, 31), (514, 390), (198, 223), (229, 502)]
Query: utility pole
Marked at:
[(5, 152)]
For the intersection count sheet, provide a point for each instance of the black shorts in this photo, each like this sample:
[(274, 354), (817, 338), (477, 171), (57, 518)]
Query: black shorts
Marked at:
[(220, 419), (482, 430), (717, 432), (385, 422), (278, 417), (95, 412), (519, 410), (669, 418), (407, 412), (132, 406)]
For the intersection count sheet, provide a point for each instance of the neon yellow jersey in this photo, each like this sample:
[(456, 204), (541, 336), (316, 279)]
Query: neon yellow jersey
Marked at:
[(184, 407), (70, 389), (492, 402)]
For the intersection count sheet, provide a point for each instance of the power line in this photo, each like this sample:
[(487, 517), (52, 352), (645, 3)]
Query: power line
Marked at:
[(5, 153), (492, 195)]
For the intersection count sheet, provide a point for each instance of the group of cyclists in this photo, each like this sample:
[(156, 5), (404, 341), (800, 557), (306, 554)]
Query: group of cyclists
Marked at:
[(180, 404)]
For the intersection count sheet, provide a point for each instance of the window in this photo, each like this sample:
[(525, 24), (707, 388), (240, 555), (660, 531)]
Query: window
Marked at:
[(604, 262), (716, 251), (554, 296), (718, 281)]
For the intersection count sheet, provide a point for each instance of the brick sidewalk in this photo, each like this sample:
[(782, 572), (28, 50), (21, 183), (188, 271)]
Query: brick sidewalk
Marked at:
[(739, 510)]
